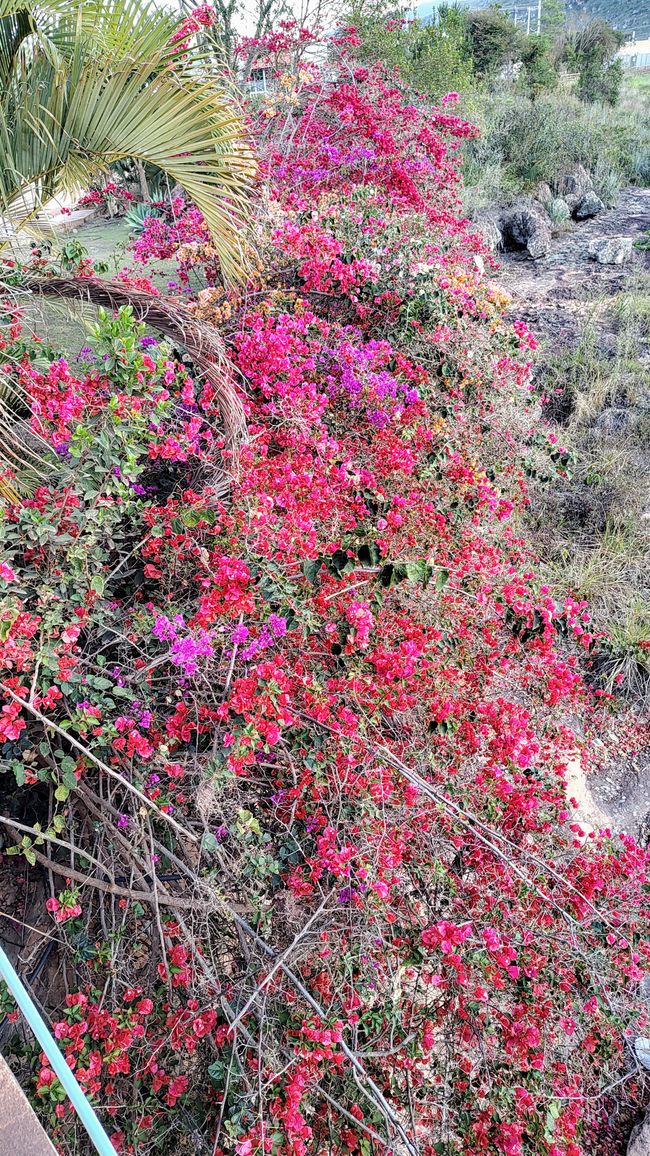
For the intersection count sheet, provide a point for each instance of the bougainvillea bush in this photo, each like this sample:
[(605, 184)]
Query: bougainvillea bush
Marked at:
[(291, 719)]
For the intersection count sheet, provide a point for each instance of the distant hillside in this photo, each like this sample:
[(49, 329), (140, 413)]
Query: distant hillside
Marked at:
[(628, 15), (631, 16)]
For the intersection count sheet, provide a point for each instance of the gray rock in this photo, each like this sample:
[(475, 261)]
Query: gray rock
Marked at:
[(614, 421), (526, 229), (487, 224), (639, 1144), (544, 194), (611, 250), (642, 1051), (590, 206), (576, 182), (539, 243)]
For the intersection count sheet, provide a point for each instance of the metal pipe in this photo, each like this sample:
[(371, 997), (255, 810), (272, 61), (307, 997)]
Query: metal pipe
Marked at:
[(55, 1057)]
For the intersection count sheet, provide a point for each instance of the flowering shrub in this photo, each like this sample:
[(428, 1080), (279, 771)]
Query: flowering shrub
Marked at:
[(110, 198), (326, 719)]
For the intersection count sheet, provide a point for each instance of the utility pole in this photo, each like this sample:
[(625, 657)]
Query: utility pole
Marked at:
[(539, 16)]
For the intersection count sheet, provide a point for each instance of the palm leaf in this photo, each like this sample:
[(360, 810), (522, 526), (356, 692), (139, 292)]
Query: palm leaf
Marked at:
[(73, 103), (85, 83)]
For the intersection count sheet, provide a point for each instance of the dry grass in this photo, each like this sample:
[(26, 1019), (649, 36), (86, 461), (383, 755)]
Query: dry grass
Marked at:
[(593, 529)]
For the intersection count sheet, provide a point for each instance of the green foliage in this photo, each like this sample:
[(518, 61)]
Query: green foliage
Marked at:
[(539, 70), (591, 51), (136, 215), (455, 50), (525, 141), (494, 40), (434, 56), (440, 61), (598, 82), (553, 17)]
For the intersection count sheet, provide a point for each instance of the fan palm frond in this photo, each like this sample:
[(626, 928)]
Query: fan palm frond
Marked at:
[(88, 83), (83, 84)]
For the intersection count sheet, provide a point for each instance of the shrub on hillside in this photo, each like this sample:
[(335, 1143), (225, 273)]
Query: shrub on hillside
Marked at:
[(303, 698), (591, 50), (534, 141)]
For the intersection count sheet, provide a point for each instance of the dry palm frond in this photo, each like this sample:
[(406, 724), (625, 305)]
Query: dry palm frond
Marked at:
[(202, 342)]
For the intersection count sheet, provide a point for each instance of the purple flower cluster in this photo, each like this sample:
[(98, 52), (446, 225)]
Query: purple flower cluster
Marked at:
[(187, 649), (273, 629), (353, 373)]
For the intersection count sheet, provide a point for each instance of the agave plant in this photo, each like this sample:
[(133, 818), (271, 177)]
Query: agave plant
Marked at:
[(84, 83), (137, 215)]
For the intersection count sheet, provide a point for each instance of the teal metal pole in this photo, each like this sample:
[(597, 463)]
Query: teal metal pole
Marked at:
[(56, 1058)]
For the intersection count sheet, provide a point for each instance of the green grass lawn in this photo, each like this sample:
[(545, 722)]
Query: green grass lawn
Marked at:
[(637, 83), (65, 324)]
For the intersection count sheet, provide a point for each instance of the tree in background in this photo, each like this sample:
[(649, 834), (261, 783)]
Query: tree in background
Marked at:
[(493, 40), (539, 69), (433, 56), (453, 50), (440, 60), (553, 17), (591, 50)]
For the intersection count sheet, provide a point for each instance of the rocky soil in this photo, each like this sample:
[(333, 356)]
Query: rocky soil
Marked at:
[(558, 295)]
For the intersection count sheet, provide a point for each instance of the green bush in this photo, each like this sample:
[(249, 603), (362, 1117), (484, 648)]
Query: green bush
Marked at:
[(535, 140), (455, 50), (539, 71), (599, 82), (591, 50), (433, 57), (494, 40)]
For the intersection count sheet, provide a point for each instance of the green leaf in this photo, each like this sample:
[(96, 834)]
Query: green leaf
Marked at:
[(61, 793), (340, 563), (368, 554), (70, 779), (209, 843), (98, 583), (310, 569), (419, 571), (442, 578), (217, 1071)]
